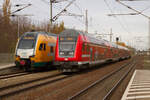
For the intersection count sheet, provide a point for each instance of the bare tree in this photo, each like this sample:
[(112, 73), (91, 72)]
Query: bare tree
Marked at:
[(6, 11)]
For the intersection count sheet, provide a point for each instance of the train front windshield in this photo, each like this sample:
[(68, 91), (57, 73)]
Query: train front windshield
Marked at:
[(27, 41), (26, 44), (67, 46)]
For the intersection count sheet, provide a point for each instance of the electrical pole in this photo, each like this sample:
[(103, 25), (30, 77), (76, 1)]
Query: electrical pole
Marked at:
[(149, 35), (111, 35), (86, 21), (18, 31), (51, 9)]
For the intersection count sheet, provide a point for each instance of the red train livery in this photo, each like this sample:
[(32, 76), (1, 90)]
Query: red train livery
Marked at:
[(76, 50)]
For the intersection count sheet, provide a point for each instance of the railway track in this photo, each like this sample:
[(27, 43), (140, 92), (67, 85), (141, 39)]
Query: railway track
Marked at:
[(85, 90), (10, 75), (27, 85), (10, 67), (9, 70), (108, 95)]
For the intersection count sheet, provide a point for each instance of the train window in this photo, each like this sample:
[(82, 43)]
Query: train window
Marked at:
[(51, 49), (44, 46), (69, 38), (26, 44), (61, 38), (41, 46), (88, 48), (29, 38), (83, 47)]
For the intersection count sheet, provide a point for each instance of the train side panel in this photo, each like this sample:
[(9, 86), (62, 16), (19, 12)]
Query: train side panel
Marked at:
[(44, 51)]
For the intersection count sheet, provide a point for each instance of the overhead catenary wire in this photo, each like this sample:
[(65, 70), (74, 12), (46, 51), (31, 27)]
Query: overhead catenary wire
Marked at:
[(145, 9), (78, 7), (125, 20), (12, 13), (79, 19), (62, 11), (46, 2), (123, 27), (57, 7), (66, 11)]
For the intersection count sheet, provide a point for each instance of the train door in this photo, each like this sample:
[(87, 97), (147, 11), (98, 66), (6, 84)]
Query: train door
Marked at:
[(52, 52), (42, 49), (91, 53), (105, 53), (112, 53)]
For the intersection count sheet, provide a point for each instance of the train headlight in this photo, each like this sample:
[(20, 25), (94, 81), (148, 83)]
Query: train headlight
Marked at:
[(61, 53), (17, 56), (70, 53)]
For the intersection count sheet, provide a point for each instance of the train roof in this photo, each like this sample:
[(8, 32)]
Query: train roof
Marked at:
[(91, 38), (122, 47), (44, 33), (72, 32)]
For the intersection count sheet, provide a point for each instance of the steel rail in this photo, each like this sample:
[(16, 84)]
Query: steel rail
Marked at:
[(13, 75), (98, 81), (116, 85), (40, 80), (27, 82)]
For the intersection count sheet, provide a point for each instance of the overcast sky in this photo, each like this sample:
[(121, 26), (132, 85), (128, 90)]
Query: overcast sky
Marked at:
[(131, 29)]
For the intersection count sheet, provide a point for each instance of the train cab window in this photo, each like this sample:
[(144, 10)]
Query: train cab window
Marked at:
[(51, 49), (83, 47), (42, 47)]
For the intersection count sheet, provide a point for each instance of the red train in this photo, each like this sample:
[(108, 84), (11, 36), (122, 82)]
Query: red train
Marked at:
[(76, 50)]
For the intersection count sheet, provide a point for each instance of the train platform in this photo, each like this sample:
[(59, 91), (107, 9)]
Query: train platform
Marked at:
[(6, 65), (138, 87)]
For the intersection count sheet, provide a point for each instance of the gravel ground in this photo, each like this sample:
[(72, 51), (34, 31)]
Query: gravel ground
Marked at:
[(63, 89), (5, 64), (8, 70), (24, 78)]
